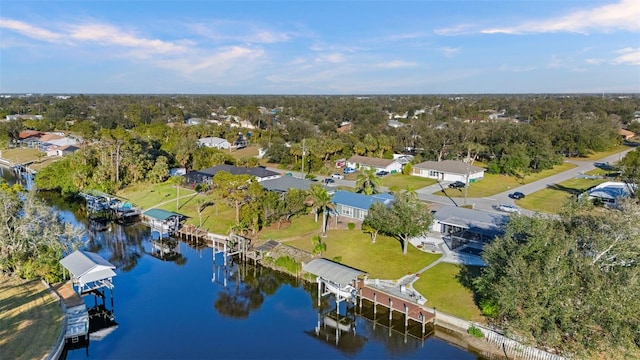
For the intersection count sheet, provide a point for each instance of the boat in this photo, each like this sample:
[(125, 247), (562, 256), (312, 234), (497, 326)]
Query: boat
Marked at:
[(344, 291)]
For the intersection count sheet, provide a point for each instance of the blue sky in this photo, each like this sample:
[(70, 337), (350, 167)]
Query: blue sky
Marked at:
[(319, 47)]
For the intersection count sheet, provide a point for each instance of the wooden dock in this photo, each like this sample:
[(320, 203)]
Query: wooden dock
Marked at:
[(410, 309), (77, 316)]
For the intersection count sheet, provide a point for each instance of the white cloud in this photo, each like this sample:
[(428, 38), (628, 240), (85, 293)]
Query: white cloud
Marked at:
[(395, 64), (331, 58), (449, 51), (623, 15), (629, 56), (594, 61), (518, 69), (108, 35), (31, 31), (238, 31)]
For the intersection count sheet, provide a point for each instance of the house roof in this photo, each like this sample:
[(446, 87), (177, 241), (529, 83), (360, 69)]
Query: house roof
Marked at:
[(449, 166), (69, 148), (370, 161), (29, 134), (212, 141), (332, 271), (258, 172), (284, 183), (610, 190), (48, 137), (87, 266), (360, 201), (473, 220), (626, 133), (160, 214)]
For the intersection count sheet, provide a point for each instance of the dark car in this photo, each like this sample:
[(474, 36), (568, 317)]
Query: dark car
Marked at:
[(328, 181), (382, 173), (516, 195), (457, 185)]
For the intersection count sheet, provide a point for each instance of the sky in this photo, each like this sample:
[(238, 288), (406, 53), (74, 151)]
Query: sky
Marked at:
[(319, 47)]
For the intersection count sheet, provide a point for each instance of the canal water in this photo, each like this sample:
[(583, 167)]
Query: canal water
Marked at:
[(186, 304)]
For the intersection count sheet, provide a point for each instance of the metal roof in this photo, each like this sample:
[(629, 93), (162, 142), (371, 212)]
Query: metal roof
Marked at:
[(160, 214), (332, 271), (258, 172), (87, 266), (449, 166), (473, 220), (360, 201)]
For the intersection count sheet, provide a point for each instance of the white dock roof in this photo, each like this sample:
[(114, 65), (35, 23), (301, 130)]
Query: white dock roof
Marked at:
[(88, 267), (332, 271)]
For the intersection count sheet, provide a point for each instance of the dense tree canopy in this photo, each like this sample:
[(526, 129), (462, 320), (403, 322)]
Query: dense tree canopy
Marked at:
[(33, 238), (569, 283)]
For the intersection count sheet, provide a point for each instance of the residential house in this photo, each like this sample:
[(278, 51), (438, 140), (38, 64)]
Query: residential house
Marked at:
[(285, 183), (345, 127), (461, 226), (359, 162), (626, 134), (205, 176), (609, 193), (29, 138), (52, 141), (62, 150), (448, 170), (356, 206), (214, 142)]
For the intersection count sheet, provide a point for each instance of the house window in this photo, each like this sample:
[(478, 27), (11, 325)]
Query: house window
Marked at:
[(362, 214), (347, 211), (433, 173)]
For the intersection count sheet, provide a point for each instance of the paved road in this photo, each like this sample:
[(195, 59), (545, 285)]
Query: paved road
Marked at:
[(489, 203)]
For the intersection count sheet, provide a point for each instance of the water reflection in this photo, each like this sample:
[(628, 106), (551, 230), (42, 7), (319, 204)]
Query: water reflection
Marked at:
[(196, 306)]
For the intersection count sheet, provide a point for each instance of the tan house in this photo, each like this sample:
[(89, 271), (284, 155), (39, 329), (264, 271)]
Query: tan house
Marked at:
[(626, 134), (448, 170), (359, 162)]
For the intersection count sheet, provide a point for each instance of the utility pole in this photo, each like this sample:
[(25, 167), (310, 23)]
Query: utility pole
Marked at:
[(466, 180), (302, 169)]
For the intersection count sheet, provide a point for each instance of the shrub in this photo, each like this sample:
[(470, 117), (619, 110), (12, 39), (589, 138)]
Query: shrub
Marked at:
[(337, 259), (289, 264), (488, 308), (474, 331), (351, 226)]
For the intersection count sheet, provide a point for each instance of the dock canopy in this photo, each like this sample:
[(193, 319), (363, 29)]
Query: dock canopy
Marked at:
[(88, 269), (332, 271), (162, 215)]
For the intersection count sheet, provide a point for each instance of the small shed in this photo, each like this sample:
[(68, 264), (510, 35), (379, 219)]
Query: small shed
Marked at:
[(89, 271)]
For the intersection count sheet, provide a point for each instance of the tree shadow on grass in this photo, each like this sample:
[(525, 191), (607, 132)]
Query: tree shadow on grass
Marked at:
[(467, 275), (444, 191), (570, 190)]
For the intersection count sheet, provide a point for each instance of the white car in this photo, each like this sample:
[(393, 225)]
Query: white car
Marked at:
[(508, 208), (337, 176)]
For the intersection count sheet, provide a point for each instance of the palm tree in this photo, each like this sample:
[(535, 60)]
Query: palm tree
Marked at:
[(322, 202), (367, 182)]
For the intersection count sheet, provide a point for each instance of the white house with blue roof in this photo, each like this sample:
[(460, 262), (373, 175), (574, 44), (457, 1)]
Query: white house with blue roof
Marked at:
[(356, 206)]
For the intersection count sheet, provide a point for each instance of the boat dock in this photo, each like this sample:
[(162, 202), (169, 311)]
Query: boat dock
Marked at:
[(76, 313), (405, 303)]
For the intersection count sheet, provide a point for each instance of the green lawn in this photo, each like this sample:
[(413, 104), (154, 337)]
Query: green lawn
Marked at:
[(404, 182), (494, 184), (21, 155), (30, 319), (382, 260), (549, 200), (148, 195), (302, 225), (602, 154), (443, 290)]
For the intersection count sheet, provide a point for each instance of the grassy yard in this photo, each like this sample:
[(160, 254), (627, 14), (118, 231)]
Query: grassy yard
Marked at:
[(444, 291), (382, 260), (249, 151), (146, 195), (603, 154), (30, 320), (404, 182), (21, 155), (549, 200), (494, 184)]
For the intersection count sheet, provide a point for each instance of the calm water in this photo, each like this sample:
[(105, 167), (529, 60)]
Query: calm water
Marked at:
[(188, 307)]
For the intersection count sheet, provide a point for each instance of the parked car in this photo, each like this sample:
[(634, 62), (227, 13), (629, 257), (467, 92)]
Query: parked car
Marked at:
[(457, 185), (508, 208), (328, 181), (516, 195), (349, 170), (382, 173), (337, 176)]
